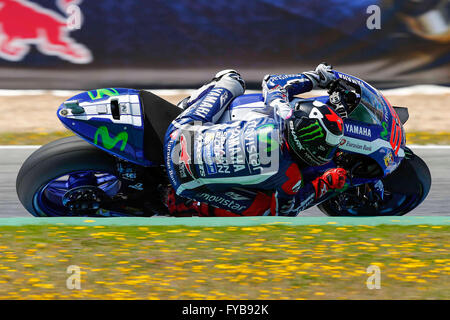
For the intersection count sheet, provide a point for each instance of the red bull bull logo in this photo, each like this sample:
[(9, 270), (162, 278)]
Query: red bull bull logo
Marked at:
[(24, 24)]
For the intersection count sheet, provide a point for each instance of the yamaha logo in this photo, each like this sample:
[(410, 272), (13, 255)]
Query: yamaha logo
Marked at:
[(362, 131)]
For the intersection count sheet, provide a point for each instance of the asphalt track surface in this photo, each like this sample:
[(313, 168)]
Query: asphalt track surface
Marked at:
[(436, 204)]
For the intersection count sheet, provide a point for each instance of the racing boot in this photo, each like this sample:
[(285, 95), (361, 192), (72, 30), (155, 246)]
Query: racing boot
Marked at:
[(180, 206), (229, 79)]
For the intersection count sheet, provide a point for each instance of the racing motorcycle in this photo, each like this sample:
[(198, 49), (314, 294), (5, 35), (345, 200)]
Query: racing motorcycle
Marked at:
[(113, 166)]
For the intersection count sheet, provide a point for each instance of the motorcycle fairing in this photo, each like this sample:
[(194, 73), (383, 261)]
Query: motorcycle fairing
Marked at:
[(111, 119), (389, 140), (359, 137)]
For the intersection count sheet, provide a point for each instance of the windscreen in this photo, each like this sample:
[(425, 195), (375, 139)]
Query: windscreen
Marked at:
[(369, 109)]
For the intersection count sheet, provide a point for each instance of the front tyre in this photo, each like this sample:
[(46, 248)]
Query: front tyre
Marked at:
[(67, 177), (405, 189)]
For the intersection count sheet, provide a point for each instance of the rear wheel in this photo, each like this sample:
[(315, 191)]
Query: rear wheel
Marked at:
[(404, 190), (69, 177)]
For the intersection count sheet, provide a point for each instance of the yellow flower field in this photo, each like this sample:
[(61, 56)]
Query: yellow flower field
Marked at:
[(259, 262)]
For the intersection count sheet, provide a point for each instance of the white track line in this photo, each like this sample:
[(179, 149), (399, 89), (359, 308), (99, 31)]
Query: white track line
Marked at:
[(428, 146), (417, 89), (20, 147)]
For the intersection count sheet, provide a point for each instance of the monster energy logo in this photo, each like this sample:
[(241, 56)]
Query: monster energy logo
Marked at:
[(384, 133), (109, 142), (99, 93), (313, 132)]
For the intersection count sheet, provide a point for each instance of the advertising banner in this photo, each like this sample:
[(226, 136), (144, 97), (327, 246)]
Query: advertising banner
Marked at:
[(182, 43)]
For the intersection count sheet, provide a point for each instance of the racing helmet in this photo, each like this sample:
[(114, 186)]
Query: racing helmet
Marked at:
[(314, 132)]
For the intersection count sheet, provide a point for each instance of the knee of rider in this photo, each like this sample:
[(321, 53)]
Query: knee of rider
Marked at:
[(232, 81)]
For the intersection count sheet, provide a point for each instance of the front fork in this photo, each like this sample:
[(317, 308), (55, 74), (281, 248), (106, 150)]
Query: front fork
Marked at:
[(361, 192)]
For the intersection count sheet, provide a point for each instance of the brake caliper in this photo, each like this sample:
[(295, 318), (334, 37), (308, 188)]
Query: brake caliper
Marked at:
[(83, 199)]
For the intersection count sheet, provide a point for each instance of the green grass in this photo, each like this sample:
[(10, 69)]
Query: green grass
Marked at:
[(442, 138), (254, 262), (33, 138)]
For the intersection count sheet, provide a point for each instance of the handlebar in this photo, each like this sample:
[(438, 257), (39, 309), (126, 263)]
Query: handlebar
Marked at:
[(342, 97), (341, 87)]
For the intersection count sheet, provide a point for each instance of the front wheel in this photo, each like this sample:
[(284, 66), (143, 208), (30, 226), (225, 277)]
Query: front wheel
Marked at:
[(68, 177), (404, 190)]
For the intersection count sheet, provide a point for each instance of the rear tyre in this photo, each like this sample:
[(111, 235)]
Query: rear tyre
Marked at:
[(405, 189), (40, 186)]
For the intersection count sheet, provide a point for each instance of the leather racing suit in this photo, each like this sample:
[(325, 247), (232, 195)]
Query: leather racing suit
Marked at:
[(243, 167)]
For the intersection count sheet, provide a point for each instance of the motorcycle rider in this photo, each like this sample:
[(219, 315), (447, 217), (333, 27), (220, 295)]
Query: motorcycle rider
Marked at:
[(222, 165)]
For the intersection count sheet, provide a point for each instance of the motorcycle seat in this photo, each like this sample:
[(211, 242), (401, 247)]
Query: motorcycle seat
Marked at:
[(158, 114)]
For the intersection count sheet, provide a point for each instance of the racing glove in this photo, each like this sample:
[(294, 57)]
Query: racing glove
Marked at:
[(322, 76), (332, 179)]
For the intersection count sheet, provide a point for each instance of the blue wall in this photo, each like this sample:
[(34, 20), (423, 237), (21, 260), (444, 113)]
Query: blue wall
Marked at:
[(251, 34)]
